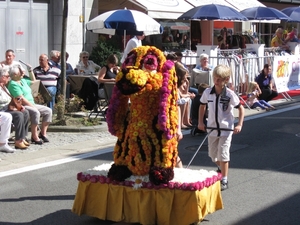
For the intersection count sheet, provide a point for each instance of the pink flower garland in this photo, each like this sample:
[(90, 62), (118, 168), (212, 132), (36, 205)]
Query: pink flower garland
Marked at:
[(196, 186), (165, 93), (117, 106)]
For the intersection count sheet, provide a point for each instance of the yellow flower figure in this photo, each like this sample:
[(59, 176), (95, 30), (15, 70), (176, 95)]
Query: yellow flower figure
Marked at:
[(143, 115)]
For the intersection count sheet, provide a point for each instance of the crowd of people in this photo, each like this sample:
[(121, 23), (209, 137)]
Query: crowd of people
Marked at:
[(15, 87), (18, 109)]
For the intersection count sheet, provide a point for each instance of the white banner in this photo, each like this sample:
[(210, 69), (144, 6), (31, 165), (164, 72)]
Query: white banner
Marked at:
[(286, 72)]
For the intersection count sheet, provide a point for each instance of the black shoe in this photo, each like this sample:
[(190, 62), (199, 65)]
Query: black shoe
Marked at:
[(43, 138), (193, 131), (218, 170), (224, 185), (40, 142), (201, 132)]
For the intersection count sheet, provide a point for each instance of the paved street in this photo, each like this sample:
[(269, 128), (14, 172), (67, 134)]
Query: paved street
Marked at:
[(38, 186)]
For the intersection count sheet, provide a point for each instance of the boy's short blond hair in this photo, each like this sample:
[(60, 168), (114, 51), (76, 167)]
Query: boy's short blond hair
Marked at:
[(222, 71)]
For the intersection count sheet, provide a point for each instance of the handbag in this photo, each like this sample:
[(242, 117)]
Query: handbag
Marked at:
[(15, 104)]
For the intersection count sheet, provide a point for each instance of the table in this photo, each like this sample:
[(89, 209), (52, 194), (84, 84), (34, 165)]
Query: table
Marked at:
[(163, 205), (76, 82)]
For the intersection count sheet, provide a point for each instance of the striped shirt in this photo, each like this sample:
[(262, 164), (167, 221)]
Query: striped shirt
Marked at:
[(48, 78)]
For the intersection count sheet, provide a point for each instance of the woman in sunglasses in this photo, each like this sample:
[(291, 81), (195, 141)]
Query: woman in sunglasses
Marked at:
[(86, 66)]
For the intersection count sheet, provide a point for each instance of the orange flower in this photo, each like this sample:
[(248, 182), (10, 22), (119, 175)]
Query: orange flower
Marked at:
[(134, 125)]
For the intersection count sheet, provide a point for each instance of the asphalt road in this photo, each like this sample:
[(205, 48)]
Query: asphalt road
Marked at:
[(263, 180)]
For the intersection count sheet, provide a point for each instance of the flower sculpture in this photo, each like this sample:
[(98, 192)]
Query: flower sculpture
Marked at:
[(143, 115)]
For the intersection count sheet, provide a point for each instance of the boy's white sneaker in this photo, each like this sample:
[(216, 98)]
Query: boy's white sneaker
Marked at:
[(224, 185)]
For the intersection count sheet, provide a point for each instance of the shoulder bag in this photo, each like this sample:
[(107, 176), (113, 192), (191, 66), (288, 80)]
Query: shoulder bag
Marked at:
[(15, 104)]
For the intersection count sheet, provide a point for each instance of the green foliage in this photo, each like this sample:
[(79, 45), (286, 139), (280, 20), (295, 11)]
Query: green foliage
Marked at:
[(68, 117), (74, 104), (90, 121), (105, 47)]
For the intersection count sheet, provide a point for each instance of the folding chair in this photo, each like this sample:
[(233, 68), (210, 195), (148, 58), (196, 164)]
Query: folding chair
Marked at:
[(199, 77), (108, 90), (102, 103)]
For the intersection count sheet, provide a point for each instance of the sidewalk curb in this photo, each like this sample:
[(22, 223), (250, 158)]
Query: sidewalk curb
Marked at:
[(78, 129)]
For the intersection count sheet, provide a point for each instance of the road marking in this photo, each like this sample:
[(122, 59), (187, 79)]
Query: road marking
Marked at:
[(56, 162), (107, 150)]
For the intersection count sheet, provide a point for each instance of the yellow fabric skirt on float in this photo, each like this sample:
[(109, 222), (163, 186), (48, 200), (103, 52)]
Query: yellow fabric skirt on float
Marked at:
[(162, 206)]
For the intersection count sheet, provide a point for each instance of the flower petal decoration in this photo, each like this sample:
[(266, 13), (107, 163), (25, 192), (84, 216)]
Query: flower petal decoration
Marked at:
[(143, 113)]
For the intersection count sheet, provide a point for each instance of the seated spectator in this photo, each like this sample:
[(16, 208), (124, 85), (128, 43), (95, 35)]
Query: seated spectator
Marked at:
[(89, 93), (173, 57), (178, 59), (86, 66), (54, 62), (185, 104), (69, 71), (265, 83), (69, 68), (204, 65), (181, 74), (5, 123), (48, 75), (19, 87), (55, 59), (252, 93), (20, 119), (107, 73), (292, 36), (277, 41), (10, 59), (195, 110)]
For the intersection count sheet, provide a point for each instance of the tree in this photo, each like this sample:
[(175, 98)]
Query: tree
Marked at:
[(104, 47), (61, 108)]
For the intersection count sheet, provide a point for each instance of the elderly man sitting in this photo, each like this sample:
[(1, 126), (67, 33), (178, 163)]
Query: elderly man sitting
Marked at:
[(49, 76)]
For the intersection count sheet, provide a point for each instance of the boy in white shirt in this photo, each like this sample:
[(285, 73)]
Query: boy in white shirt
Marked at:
[(220, 101)]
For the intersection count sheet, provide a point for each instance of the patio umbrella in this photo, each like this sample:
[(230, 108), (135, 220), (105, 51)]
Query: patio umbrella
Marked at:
[(212, 12), (124, 22), (293, 13), (264, 13)]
